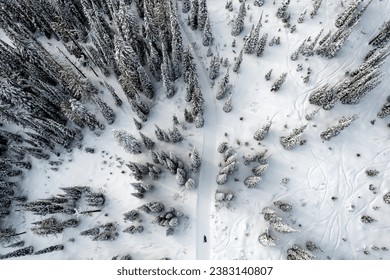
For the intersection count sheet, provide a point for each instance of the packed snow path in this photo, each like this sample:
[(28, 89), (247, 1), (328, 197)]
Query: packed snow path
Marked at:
[(208, 171)]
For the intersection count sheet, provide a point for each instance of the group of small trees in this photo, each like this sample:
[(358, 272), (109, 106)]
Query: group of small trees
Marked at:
[(105, 232), (276, 223), (346, 21), (169, 219), (354, 87), (230, 163)]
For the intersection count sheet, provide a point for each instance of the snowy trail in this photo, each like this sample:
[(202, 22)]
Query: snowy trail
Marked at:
[(208, 171)]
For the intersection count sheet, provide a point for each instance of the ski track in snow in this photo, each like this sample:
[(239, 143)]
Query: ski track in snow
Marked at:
[(206, 184)]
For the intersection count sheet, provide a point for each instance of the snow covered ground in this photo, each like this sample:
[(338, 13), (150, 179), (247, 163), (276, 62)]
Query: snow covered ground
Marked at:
[(324, 181)]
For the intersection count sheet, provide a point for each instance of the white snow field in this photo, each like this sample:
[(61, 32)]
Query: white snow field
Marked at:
[(325, 182)]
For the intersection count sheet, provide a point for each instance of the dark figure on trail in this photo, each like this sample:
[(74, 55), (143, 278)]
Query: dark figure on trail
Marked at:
[(204, 239)]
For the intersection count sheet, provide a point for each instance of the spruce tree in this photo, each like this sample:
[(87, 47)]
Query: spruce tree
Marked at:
[(195, 160), (186, 6), (149, 144), (238, 23), (238, 62), (278, 83), (194, 14), (214, 67), (207, 34), (127, 141), (223, 86), (227, 107), (262, 44)]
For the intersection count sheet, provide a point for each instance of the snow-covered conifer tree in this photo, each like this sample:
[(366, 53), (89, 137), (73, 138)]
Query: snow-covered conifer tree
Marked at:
[(202, 14), (175, 135), (252, 181), (262, 132), (384, 111), (238, 62), (293, 139), (195, 160), (149, 144), (199, 121), (127, 141), (227, 107), (262, 44), (221, 179), (268, 75), (278, 83), (207, 34), (260, 169), (194, 14), (223, 86), (107, 111), (190, 184), (186, 6), (238, 24), (258, 3), (214, 67), (336, 129)]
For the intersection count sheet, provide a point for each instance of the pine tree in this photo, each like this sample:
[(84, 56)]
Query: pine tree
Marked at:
[(199, 121), (238, 24), (316, 6), (149, 144), (293, 139), (223, 86), (202, 14), (336, 129), (258, 3), (127, 141), (238, 62), (118, 101), (214, 67), (188, 116), (177, 43), (181, 177), (221, 179), (227, 107), (190, 184), (107, 111), (267, 240), (207, 34), (146, 83), (260, 169), (137, 124), (253, 38), (175, 135), (186, 6), (278, 83), (262, 132), (262, 44), (195, 160), (194, 14), (384, 111), (168, 86), (252, 181), (268, 75)]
